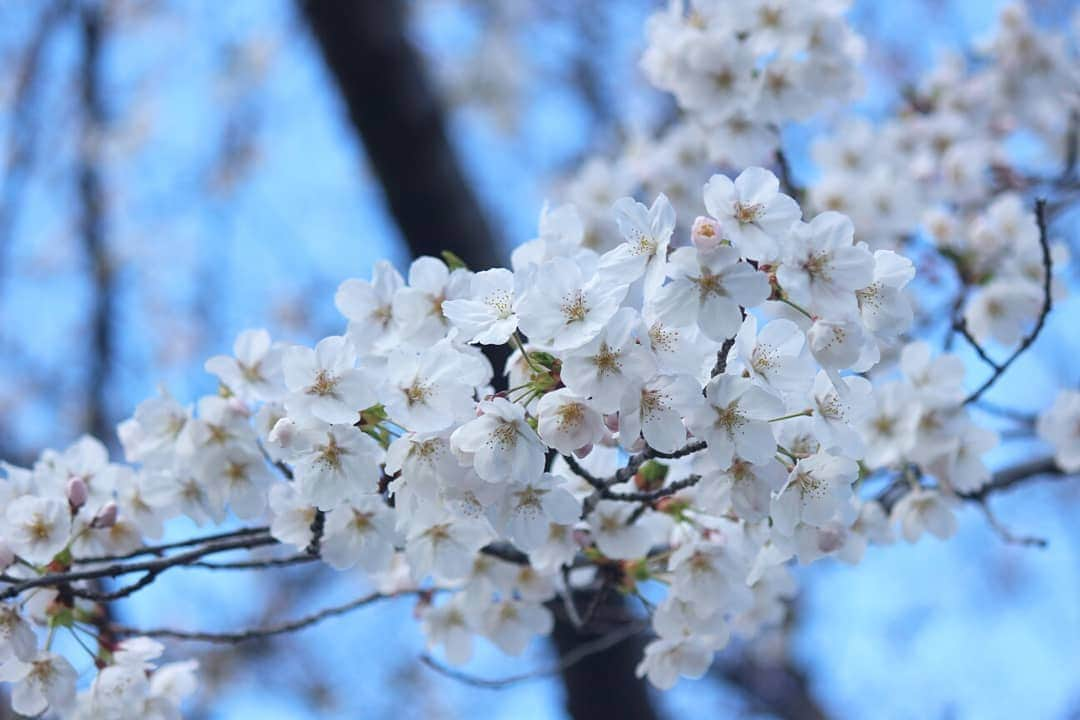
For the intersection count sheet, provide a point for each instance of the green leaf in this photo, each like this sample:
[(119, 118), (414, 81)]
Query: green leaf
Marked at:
[(453, 261)]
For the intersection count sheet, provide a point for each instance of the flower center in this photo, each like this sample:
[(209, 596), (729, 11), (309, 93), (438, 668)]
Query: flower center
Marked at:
[(417, 393), (708, 284), (570, 415), (500, 302), (324, 384), (747, 213), (661, 338), (729, 418), (330, 453), (505, 435), (574, 308), (38, 528), (607, 360)]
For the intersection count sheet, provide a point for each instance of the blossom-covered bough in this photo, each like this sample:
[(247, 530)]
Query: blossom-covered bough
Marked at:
[(701, 389)]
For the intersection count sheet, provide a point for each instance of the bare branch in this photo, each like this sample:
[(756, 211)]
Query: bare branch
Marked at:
[(649, 496), (1015, 475), (584, 474), (154, 567), (160, 549), (266, 631), (1004, 533)]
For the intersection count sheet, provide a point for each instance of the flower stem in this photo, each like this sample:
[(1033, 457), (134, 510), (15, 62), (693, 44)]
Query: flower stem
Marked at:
[(784, 299), (518, 343), (802, 413)]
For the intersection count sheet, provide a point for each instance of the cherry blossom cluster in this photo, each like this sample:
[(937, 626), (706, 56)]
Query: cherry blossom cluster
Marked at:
[(698, 390), (741, 67), (76, 504), (946, 168), (684, 414)]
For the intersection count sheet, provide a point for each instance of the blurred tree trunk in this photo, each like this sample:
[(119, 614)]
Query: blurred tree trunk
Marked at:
[(92, 221), (397, 112)]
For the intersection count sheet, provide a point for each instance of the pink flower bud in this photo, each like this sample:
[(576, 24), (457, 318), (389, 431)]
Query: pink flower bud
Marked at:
[(106, 516), (77, 492), (706, 233), (238, 406), (283, 433), (612, 422), (7, 557), (583, 450)]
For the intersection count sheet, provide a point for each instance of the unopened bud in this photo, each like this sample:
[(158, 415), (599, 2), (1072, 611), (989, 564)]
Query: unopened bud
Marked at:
[(283, 433), (706, 233), (583, 450), (238, 406), (612, 422), (77, 492), (106, 516)]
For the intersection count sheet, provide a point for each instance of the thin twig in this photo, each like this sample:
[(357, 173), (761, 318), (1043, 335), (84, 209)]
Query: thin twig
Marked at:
[(1048, 267), (261, 632), (1004, 533), (256, 564)]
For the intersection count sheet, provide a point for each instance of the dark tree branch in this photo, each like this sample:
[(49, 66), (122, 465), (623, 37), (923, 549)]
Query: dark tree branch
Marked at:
[(1015, 475), (147, 566), (161, 549), (1001, 480)]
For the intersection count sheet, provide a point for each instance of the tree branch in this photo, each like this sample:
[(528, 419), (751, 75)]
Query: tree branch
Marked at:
[(1048, 267), (155, 567), (262, 632)]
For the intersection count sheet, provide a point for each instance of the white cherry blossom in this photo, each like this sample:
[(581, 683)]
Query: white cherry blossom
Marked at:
[(1060, 427), (565, 308), (323, 383), (601, 369), (499, 443), (488, 314), (708, 289), (254, 371), (753, 213), (735, 420), (567, 421)]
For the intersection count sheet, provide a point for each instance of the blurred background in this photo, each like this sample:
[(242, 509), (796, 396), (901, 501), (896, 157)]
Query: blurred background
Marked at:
[(172, 173)]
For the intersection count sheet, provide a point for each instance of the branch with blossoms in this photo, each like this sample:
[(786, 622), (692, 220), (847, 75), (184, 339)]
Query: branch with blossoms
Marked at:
[(960, 325), (690, 406)]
